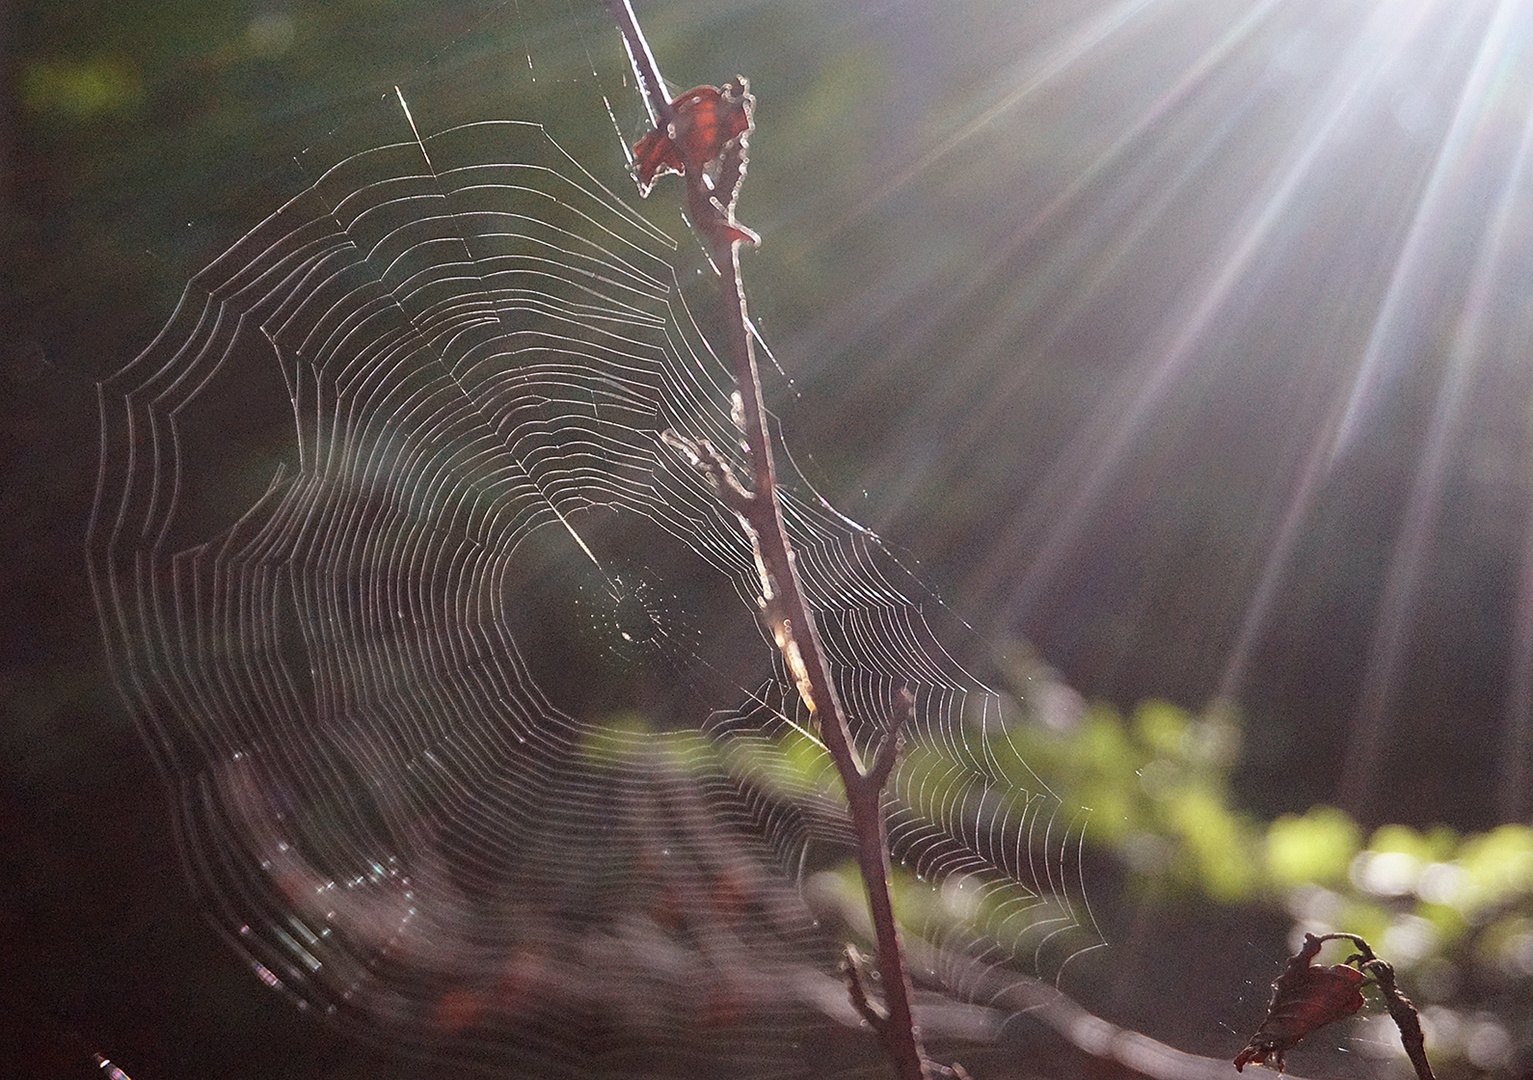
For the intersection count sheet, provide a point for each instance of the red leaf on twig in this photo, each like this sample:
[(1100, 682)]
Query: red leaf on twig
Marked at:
[(707, 139), (708, 119), (1304, 998)]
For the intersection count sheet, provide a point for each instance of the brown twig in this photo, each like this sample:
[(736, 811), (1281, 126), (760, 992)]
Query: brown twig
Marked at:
[(643, 61), (1401, 1010), (783, 602), (1403, 1013)]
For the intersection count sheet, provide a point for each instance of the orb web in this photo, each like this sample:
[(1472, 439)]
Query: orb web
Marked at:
[(451, 662)]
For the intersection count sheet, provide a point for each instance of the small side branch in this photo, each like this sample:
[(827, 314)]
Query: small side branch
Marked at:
[(888, 750), (705, 458), (852, 964)]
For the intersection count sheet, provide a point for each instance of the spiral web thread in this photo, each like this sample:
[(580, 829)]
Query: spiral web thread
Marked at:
[(450, 658)]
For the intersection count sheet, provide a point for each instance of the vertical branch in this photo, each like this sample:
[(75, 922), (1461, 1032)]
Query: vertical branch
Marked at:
[(783, 602)]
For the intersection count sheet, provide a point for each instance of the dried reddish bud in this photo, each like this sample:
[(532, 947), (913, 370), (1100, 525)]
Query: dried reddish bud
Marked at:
[(1304, 998), (706, 138), (707, 120)]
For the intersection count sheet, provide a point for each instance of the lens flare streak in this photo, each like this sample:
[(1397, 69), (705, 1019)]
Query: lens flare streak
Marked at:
[(1096, 455)]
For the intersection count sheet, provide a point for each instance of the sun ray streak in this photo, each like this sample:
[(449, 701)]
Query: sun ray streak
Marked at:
[(978, 425), (1517, 749), (1095, 455), (1053, 63), (1414, 254), (1404, 576), (1317, 467)]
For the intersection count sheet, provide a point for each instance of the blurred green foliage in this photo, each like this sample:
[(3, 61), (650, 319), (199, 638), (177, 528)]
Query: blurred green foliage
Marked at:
[(79, 90), (1453, 912)]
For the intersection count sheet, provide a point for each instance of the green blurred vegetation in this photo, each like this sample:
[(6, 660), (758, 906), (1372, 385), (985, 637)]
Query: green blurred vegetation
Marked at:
[(1452, 911), (150, 136)]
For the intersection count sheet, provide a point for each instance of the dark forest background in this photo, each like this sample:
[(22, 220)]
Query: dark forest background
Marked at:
[(938, 285)]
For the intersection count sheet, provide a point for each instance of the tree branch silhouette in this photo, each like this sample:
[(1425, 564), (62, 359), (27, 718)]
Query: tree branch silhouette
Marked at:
[(712, 184)]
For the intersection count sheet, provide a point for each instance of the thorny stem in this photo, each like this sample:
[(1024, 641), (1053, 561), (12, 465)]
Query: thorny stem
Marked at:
[(762, 512), (643, 61)]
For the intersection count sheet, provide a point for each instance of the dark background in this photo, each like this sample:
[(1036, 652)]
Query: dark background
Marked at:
[(996, 236)]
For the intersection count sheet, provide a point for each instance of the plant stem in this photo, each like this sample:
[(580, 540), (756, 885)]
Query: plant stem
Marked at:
[(1403, 1013), (786, 601), (864, 790)]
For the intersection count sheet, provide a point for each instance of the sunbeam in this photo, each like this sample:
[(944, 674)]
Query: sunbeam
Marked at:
[(1028, 303), (1456, 171), (1035, 76), (1050, 528), (1330, 438), (1150, 387), (1416, 260)]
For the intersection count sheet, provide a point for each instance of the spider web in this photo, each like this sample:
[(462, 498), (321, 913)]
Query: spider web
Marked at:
[(451, 661)]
